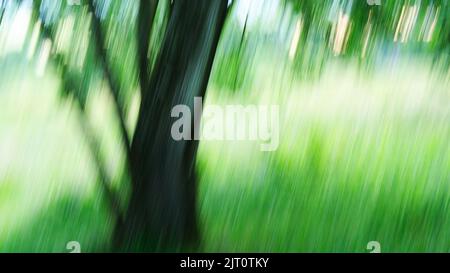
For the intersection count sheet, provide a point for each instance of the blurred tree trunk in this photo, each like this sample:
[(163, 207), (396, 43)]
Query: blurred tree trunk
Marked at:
[(162, 212)]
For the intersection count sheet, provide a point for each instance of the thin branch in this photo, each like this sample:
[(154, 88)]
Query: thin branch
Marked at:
[(105, 180), (114, 86), (244, 31), (93, 143), (145, 23), (2, 11)]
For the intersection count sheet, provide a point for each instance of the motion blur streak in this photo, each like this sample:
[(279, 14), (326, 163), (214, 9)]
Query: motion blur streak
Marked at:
[(87, 161)]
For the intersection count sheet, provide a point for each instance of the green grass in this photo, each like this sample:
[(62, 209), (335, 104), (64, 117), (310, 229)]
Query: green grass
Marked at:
[(361, 158)]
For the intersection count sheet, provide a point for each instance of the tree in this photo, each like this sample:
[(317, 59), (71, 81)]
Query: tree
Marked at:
[(161, 212), (163, 199)]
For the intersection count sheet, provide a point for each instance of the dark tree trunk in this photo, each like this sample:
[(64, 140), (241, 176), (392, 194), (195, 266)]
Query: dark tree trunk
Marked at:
[(162, 212)]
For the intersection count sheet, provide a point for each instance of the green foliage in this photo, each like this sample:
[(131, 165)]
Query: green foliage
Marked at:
[(364, 154)]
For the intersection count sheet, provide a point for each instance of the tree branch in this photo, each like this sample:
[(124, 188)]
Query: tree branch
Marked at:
[(2, 11), (92, 141), (105, 180), (145, 23), (114, 86)]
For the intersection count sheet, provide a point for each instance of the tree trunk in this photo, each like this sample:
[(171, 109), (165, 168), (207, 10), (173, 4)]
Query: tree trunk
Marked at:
[(162, 210)]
